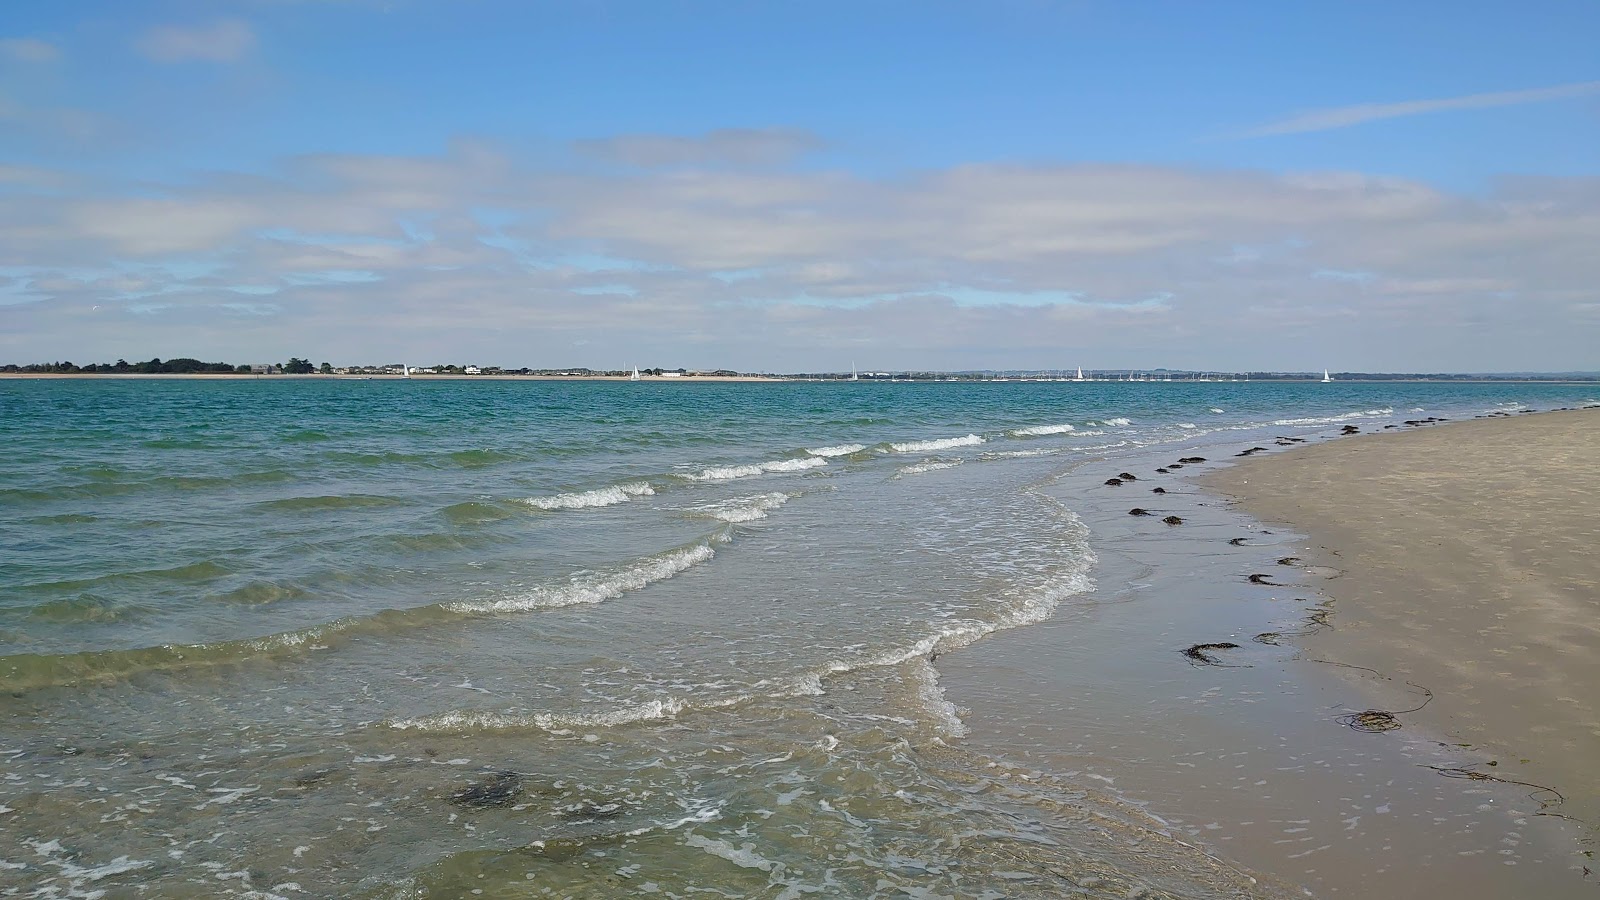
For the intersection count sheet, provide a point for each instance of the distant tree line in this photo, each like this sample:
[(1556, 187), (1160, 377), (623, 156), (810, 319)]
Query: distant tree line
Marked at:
[(182, 365)]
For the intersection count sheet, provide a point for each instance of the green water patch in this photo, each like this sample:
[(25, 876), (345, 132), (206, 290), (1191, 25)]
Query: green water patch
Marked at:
[(180, 444), (85, 608), (193, 573), (329, 502), (306, 436), (474, 513), (63, 519), (94, 490), (261, 593), (478, 459), (440, 542)]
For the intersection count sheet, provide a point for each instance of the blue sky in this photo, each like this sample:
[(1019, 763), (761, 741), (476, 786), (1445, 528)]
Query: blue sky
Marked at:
[(923, 185)]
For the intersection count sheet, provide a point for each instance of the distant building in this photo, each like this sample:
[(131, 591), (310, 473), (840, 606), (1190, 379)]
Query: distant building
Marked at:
[(265, 369), (474, 370)]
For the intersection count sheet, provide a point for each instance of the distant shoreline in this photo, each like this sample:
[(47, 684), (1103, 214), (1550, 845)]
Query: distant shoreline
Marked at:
[(248, 376), (316, 376)]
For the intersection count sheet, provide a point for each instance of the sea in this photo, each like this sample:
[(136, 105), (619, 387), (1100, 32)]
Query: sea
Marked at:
[(436, 638)]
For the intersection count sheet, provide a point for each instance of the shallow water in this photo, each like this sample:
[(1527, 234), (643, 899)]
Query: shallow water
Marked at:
[(415, 639)]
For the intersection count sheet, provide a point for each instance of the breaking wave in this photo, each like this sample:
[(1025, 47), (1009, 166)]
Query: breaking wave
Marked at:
[(970, 440), (1041, 430), (727, 473), (841, 450), (606, 496)]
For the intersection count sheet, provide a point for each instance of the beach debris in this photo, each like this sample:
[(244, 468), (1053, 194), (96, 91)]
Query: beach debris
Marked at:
[(1289, 561), (1163, 471), (1173, 520), (1236, 542), (1199, 657), (1140, 511), (1192, 459), (1466, 772), (1113, 481), (1370, 721), (1127, 476), (498, 789), (1252, 450), (1352, 429), (1373, 721), (1159, 490), (1267, 637), (1258, 578)]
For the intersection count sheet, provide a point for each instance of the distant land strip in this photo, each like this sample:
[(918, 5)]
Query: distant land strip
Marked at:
[(297, 367)]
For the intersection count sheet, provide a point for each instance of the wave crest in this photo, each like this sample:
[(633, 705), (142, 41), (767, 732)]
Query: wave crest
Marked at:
[(970, 440), (606, 496)]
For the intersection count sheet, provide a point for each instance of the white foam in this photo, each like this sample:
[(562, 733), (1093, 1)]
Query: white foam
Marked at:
[(727, 473), (841, 450), (742, 855), (742, 509), (1217, 411), (970, 440), (1041, 430), (1121, 423), (929, 466), (606, 496), (595, 587), (1187, 425), (946, 717), (1327, 420)]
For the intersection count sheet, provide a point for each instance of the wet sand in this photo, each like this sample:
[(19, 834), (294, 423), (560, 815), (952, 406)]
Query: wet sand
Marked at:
[(1472, 566), (1248, 758)]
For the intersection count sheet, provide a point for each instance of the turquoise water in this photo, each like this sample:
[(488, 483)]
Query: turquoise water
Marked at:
[(412, 638)]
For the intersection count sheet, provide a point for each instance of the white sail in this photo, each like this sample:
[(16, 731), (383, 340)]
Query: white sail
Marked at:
[(635, 375), (1326, 378)]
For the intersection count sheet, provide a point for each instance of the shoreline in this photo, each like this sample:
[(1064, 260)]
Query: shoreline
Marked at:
[(1465, 560), (1244, 753)]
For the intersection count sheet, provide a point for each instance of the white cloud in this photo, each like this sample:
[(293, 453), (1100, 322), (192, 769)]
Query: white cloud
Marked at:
[(1346, 116), (222, 41), (28, 50), (1014, 266)]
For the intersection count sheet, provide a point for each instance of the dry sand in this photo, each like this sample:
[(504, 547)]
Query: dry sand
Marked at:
[(1471, 560)]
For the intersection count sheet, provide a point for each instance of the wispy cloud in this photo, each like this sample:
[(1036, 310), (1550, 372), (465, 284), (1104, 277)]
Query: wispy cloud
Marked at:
[(28, 50), (1346, 116), (226, 40)]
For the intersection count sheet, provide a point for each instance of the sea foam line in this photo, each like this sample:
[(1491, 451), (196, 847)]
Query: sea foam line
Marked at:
[(727, 473), (606, 496), (742, 509), (1028, 608), (1330, 420), (930, 466), (970, 440), (594, 587)]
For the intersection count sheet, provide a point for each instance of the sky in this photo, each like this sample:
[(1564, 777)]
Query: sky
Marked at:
[(785, 187)]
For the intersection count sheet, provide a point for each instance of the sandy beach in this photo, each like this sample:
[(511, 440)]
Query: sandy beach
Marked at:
[(1469, 567)]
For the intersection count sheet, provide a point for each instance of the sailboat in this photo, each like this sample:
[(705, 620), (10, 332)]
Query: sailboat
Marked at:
[(635, 375), (853, 375), (1326, 378), (405, 371), (1080, 373)]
